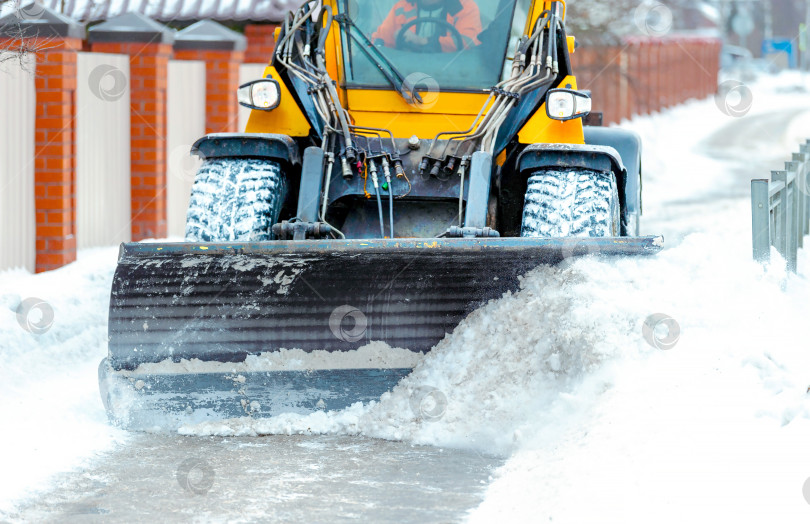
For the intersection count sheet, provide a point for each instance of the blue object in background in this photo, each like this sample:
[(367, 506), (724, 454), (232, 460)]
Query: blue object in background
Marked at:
[(775, 46)]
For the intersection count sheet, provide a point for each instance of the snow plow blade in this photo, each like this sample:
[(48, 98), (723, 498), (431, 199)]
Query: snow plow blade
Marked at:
[(224, 303)]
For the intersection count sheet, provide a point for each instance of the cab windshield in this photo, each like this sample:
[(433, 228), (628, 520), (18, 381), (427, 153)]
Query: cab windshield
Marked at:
[(461, 44)]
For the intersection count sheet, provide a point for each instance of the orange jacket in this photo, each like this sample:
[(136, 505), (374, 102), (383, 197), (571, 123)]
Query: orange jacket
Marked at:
[(461, 14)]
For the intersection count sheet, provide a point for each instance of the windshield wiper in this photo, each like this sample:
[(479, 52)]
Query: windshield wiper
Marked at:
[(388, 69)]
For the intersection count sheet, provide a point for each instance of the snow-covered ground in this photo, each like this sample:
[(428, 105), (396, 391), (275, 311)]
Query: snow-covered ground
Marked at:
[(49, 405), (595, 423)]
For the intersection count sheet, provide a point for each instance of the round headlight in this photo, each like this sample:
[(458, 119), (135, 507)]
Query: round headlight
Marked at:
[(263, 94), (561, 104), (566, 104)]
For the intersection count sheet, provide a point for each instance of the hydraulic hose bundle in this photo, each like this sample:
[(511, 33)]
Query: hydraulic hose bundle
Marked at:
[(301, 50)]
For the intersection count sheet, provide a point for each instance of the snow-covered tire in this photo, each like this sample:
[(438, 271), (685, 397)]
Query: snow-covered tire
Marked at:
[(235, 200), (571, 203)]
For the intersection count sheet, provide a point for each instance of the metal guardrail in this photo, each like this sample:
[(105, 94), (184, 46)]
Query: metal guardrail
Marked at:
[(780, 210)]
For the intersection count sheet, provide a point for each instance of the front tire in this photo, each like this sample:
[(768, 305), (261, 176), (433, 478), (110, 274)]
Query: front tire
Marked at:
[(574, 202), (235, 200)]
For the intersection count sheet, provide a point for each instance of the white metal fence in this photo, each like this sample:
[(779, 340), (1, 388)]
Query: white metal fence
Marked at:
[(780, 210), (248, 72), (103, 156), (185, 110), (17, 215), (103, 197)]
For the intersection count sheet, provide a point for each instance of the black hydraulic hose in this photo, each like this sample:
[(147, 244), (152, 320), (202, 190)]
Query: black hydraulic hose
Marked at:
[(553, 38), (326, 16), (282, 34), (308, 32), (391, 209), (380, 211), (349, 39), (372, 171)]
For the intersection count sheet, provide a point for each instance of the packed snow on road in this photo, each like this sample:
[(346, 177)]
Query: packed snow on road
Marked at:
[(562, 402)]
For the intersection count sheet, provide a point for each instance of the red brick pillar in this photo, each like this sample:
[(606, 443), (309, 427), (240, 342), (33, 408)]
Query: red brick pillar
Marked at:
[(667, 67), (55, 149), (687, 72), (222, 50), (688, 55), (678, 81), (658, 65), (700, 48), (624, 85), (613, 84), (634, 96), (261, 43), (149, 46), (646, 76), (674, 85), (58, 39), (682, 74), (710, 80), (637, 78), (697, 65)]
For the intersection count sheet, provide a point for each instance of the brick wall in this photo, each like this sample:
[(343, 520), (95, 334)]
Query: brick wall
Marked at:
[(55, 154), (260, 43)]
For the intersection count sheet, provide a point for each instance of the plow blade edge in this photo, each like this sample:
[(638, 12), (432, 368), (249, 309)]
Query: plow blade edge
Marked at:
[(221, 303)]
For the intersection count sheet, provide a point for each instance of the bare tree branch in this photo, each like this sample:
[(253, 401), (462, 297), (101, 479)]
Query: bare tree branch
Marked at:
[(22, 44), (600, 21)]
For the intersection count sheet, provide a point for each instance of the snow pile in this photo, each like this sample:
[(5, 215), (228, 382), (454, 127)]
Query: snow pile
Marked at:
[(714, 428), (50, 408), (371, 356)]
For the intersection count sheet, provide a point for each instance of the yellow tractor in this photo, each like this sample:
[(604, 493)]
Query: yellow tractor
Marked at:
[(405, 161)]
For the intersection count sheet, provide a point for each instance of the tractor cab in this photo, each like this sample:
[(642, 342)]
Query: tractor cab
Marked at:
[(447, 45)]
